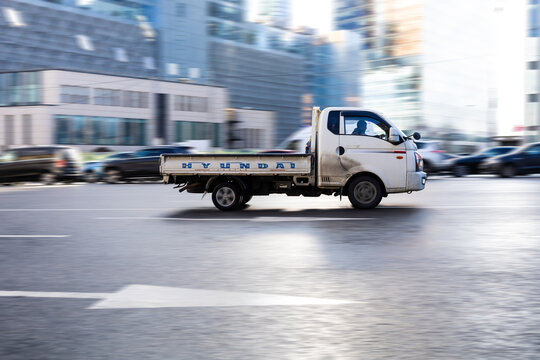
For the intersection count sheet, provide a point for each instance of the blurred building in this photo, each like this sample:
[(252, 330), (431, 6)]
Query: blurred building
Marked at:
[(336, 69), (210, 42), (532, 79), (424, 66), (275, 13), (249, 129), (102, 36), (92, 109)]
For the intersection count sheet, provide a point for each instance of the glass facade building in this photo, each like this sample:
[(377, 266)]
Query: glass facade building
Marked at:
[(532, 75), (96, 130), (102, 36)]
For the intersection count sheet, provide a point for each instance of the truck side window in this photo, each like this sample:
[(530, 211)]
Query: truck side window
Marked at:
[(333, 122), (366, 126)]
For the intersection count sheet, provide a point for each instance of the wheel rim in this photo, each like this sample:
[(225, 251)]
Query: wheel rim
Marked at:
[(113, 175), (508, 171), (225, 196), (365, 192), (91, 177), (47, 178), (462, 171)]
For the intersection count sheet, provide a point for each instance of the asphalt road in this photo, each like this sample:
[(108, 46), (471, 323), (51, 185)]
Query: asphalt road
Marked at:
[(137, 271)]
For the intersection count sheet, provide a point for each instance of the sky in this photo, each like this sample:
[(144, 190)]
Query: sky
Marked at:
[(509, 54)]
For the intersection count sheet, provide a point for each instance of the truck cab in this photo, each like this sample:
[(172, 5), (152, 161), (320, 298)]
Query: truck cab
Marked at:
[(352, 142)]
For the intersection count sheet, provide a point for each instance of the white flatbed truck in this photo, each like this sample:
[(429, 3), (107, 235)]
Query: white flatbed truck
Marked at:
[(353, 152)]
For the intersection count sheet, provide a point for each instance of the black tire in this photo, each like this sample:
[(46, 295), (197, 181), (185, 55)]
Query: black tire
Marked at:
[(226, 196), (365, 192), (245, 198), (112, 176), (90, 177), (47, 178), (460, 171), (507, 171)]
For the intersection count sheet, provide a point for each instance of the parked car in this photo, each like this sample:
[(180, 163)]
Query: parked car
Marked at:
[(46, 164), (466, 165), (91, 169), (436, 160), (143, 164), (523, 160)]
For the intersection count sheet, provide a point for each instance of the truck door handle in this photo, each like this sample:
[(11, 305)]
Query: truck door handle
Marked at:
[(340, 150)]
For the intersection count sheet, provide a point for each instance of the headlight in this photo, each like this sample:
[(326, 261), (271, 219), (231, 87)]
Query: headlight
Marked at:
[(419, 162)]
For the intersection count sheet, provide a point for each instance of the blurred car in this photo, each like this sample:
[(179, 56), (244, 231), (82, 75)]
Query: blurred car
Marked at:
[(91, 169), (466, 165), (436, 160), (276, 151), (45, 164), (523, 160), (143, 164)]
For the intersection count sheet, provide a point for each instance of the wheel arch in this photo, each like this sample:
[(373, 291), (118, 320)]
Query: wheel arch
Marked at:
[(214, 181), (364, 173)]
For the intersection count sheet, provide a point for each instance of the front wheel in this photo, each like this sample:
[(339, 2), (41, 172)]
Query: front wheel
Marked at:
[(226, 196), (365, 193), (507, 171)]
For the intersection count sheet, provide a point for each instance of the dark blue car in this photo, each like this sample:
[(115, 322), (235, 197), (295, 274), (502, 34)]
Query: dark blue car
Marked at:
[(471, 164), (524, 160), (91, 169)]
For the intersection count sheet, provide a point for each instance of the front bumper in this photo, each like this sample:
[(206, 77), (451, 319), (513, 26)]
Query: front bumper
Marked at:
[(416, 181)]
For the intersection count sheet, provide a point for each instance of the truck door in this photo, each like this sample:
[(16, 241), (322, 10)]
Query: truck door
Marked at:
[(364, 146)]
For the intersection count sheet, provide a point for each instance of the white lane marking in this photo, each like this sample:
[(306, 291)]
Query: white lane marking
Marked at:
[(34, 236), (54, 294), (256, 219), (147, 296), (108, 209)]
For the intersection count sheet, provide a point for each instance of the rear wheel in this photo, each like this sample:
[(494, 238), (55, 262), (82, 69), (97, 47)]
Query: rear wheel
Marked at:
[(460, 171), (226, 196), (507, 171), (113, 176), (365, 192), (47, 178)]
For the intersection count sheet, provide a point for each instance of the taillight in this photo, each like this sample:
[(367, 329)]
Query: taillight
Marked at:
[(437, 151), (60, 163), (419, 162)]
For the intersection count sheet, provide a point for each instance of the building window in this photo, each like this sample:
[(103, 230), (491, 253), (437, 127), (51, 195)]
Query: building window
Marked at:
[(532, 97), (27, 129), (120, 55), (173, 69), (532, 65), (13, 17), (107, 97), (9, 130), (149, 63), (84, 42), (194, 130), (74, 94), (20, 88), (135, 99), (95, 130), (194, 73), (190, 103)]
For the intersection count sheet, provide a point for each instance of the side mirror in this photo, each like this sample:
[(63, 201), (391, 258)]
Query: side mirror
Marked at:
[(416, 136), (394, 136)]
